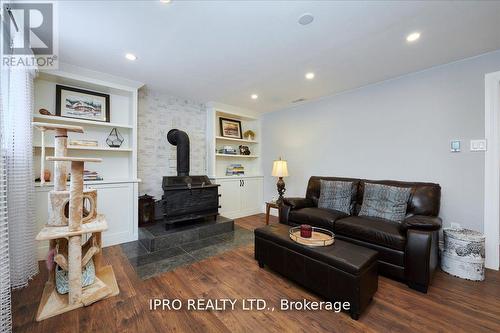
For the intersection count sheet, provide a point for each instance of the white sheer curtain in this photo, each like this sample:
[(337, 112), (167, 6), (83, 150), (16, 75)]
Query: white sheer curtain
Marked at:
[(17, 136), (5, 313), (18, 262)]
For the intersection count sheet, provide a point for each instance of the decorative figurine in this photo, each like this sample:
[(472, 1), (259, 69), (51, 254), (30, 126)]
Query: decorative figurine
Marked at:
[(244, 150), (45, 112)]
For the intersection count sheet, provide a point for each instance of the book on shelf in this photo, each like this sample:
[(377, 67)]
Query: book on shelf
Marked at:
[(235, 170), (89, 176)]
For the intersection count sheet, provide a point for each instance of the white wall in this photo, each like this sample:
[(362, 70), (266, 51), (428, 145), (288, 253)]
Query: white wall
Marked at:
[(158, 113), (398, 129)]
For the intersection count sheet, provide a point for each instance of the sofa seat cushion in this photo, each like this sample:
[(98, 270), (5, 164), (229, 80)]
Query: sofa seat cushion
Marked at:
[(372, 230), (317, 217)]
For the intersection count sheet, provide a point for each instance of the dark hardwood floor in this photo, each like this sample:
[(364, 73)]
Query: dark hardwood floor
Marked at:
[(451, 305)]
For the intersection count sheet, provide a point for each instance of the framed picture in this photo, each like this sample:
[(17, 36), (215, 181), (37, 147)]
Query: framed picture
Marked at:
[(230, 128), (82, 104)]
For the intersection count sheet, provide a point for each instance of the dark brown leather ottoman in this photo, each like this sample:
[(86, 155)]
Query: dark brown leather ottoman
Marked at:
[(340, 272)]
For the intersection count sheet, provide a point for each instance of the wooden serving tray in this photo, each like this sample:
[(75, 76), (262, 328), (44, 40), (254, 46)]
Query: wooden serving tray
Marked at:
[(319, 237)]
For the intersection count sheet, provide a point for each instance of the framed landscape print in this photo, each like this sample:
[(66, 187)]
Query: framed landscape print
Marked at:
[(82, 104), (230, 128)]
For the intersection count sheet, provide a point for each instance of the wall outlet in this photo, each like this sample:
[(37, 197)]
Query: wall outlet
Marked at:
[(478, 145), (455, 225)]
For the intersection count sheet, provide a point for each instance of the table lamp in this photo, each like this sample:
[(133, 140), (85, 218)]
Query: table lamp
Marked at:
[(280, 170)]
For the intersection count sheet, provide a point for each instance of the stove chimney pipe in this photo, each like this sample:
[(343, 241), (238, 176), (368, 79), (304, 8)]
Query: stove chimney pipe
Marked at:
[(181, 140)]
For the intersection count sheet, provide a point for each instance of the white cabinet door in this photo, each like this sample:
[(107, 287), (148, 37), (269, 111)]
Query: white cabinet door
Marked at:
[(115, 201), (251, 196), (230, 202)]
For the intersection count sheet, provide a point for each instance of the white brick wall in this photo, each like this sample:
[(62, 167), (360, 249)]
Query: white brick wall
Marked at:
[(158, 113)]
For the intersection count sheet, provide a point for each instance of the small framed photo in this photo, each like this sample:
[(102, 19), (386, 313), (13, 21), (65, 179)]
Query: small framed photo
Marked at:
[(82, 104), (230, 128)]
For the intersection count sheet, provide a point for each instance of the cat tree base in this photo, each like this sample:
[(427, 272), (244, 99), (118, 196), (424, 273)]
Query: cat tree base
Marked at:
[(52, 303)]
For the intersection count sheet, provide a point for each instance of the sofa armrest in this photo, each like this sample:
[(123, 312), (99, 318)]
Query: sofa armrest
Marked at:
[(421, 222), (421, 258), (298, 203)]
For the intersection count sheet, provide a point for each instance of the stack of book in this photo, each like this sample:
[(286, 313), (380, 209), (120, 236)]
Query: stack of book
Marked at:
[(235, 170), (228, 150), (91, 175), (88, 176)]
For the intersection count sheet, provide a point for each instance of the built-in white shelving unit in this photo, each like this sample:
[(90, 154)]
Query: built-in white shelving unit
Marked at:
[(119, 165), (240, 195)]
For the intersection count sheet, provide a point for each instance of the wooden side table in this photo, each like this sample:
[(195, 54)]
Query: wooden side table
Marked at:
[(269, 205)]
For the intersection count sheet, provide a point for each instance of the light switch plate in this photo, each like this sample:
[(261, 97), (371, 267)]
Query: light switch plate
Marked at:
[(455, 146), (478, 145)]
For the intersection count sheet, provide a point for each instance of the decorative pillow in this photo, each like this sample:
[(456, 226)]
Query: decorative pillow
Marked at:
[(383, 201), (336, 195)]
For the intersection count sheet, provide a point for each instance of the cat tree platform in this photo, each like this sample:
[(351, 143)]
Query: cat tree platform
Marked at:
[(52, 303), (98, 225), (54, 127), (73, 159)]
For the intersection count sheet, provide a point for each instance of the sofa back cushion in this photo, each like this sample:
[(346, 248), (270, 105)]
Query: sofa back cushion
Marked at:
[(336, 195), (385, 202), (425, 198)]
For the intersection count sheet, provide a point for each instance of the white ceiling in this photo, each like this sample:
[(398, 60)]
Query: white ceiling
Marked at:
[(226, 50)]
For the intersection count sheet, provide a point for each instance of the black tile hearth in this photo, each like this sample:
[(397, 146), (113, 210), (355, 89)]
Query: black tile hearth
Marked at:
[(150, 263), (157, 237)]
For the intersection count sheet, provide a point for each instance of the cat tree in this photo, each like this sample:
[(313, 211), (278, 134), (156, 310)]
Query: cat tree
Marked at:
[(69, 225)]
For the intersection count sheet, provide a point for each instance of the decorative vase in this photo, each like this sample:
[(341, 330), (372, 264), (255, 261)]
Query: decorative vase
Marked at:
[(46, 175), (115, 139)]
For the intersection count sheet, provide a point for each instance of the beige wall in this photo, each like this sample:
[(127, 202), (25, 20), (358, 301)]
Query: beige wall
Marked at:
[(398, 129)]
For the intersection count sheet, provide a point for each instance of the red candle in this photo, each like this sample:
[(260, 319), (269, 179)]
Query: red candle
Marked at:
[(305, 231)]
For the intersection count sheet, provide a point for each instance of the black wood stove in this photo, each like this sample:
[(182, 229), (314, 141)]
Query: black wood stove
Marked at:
[(185, 197)]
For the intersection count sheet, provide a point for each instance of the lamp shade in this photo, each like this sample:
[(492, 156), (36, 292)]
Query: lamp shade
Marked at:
[(280, 169)]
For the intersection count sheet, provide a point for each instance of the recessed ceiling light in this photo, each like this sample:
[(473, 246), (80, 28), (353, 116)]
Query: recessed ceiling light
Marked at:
[(254, 96), (413, 37), (310, 75), (130, 56), (306, 18), (165, 1)]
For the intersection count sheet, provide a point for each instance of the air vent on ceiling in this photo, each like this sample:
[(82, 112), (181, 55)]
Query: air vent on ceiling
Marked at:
[(299, 100)]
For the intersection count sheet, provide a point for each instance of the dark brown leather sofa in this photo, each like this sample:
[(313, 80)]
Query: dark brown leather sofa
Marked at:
[(408, 251)]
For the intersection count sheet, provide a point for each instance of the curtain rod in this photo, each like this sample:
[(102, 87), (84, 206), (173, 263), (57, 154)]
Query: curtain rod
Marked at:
[(9, 11)]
